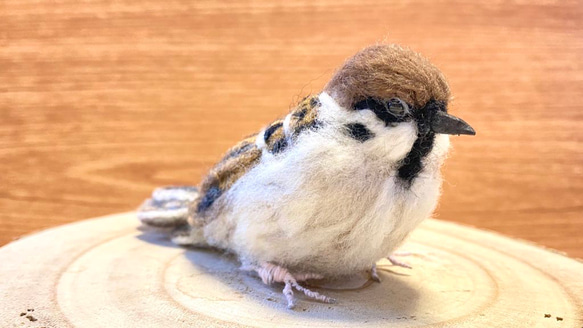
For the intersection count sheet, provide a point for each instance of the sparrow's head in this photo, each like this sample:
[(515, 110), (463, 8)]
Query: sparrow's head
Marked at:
[(395, 102), (398, 85)]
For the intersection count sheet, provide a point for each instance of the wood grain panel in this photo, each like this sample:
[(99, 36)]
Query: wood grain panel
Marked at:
[(101, 101), (461, 277)]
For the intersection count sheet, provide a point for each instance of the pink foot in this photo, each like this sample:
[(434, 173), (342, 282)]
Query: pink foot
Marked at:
[(374, 274), (270, 273), (394, 261)]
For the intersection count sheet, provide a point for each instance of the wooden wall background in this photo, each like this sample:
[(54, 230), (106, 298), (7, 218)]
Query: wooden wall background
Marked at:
[(101, 101)]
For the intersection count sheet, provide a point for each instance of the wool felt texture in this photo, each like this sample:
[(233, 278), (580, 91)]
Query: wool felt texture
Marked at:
[(168, 207), (324, 174), (359, 131), (332, 187), (383, 110), (387, 71), (248, 152)]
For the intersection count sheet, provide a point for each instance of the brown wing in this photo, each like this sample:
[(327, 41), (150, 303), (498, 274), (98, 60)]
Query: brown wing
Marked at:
[(246, 154)]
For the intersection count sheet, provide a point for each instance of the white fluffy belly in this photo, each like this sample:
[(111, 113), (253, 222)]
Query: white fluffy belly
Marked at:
[(331, 219)]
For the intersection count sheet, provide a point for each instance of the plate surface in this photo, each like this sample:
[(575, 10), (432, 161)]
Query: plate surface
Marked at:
[(106, 272)]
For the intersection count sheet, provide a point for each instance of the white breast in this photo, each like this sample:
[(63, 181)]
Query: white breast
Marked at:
[(329, 204)]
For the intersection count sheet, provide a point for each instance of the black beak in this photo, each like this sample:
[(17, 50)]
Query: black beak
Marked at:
[(448, 124)]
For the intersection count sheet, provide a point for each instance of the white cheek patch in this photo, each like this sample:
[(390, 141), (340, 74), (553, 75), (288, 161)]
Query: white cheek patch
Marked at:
[(396, 141), (441, 145), (390, 142), (433, 161)]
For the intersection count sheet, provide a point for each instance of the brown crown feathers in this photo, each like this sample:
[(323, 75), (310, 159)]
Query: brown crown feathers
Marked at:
[(388, 71)]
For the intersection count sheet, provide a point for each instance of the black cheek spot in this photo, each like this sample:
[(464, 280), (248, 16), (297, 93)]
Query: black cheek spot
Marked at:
[(359, 132), (209, 198)]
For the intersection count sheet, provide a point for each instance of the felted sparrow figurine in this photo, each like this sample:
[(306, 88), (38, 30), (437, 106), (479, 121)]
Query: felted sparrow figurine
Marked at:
[(334, 186)]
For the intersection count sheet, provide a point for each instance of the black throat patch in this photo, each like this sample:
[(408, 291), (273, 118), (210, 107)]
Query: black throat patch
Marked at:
[(412, 164)]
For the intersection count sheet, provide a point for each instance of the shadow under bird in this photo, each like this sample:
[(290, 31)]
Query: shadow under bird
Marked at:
[(333, 187)]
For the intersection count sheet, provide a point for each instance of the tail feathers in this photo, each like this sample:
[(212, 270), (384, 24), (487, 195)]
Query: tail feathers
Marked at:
[(168, 207)]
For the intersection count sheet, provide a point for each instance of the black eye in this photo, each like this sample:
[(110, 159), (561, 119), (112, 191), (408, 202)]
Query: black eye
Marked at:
[(397, 107)]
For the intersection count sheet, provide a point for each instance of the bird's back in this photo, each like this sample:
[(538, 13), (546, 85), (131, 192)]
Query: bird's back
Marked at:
[(172, 206)]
